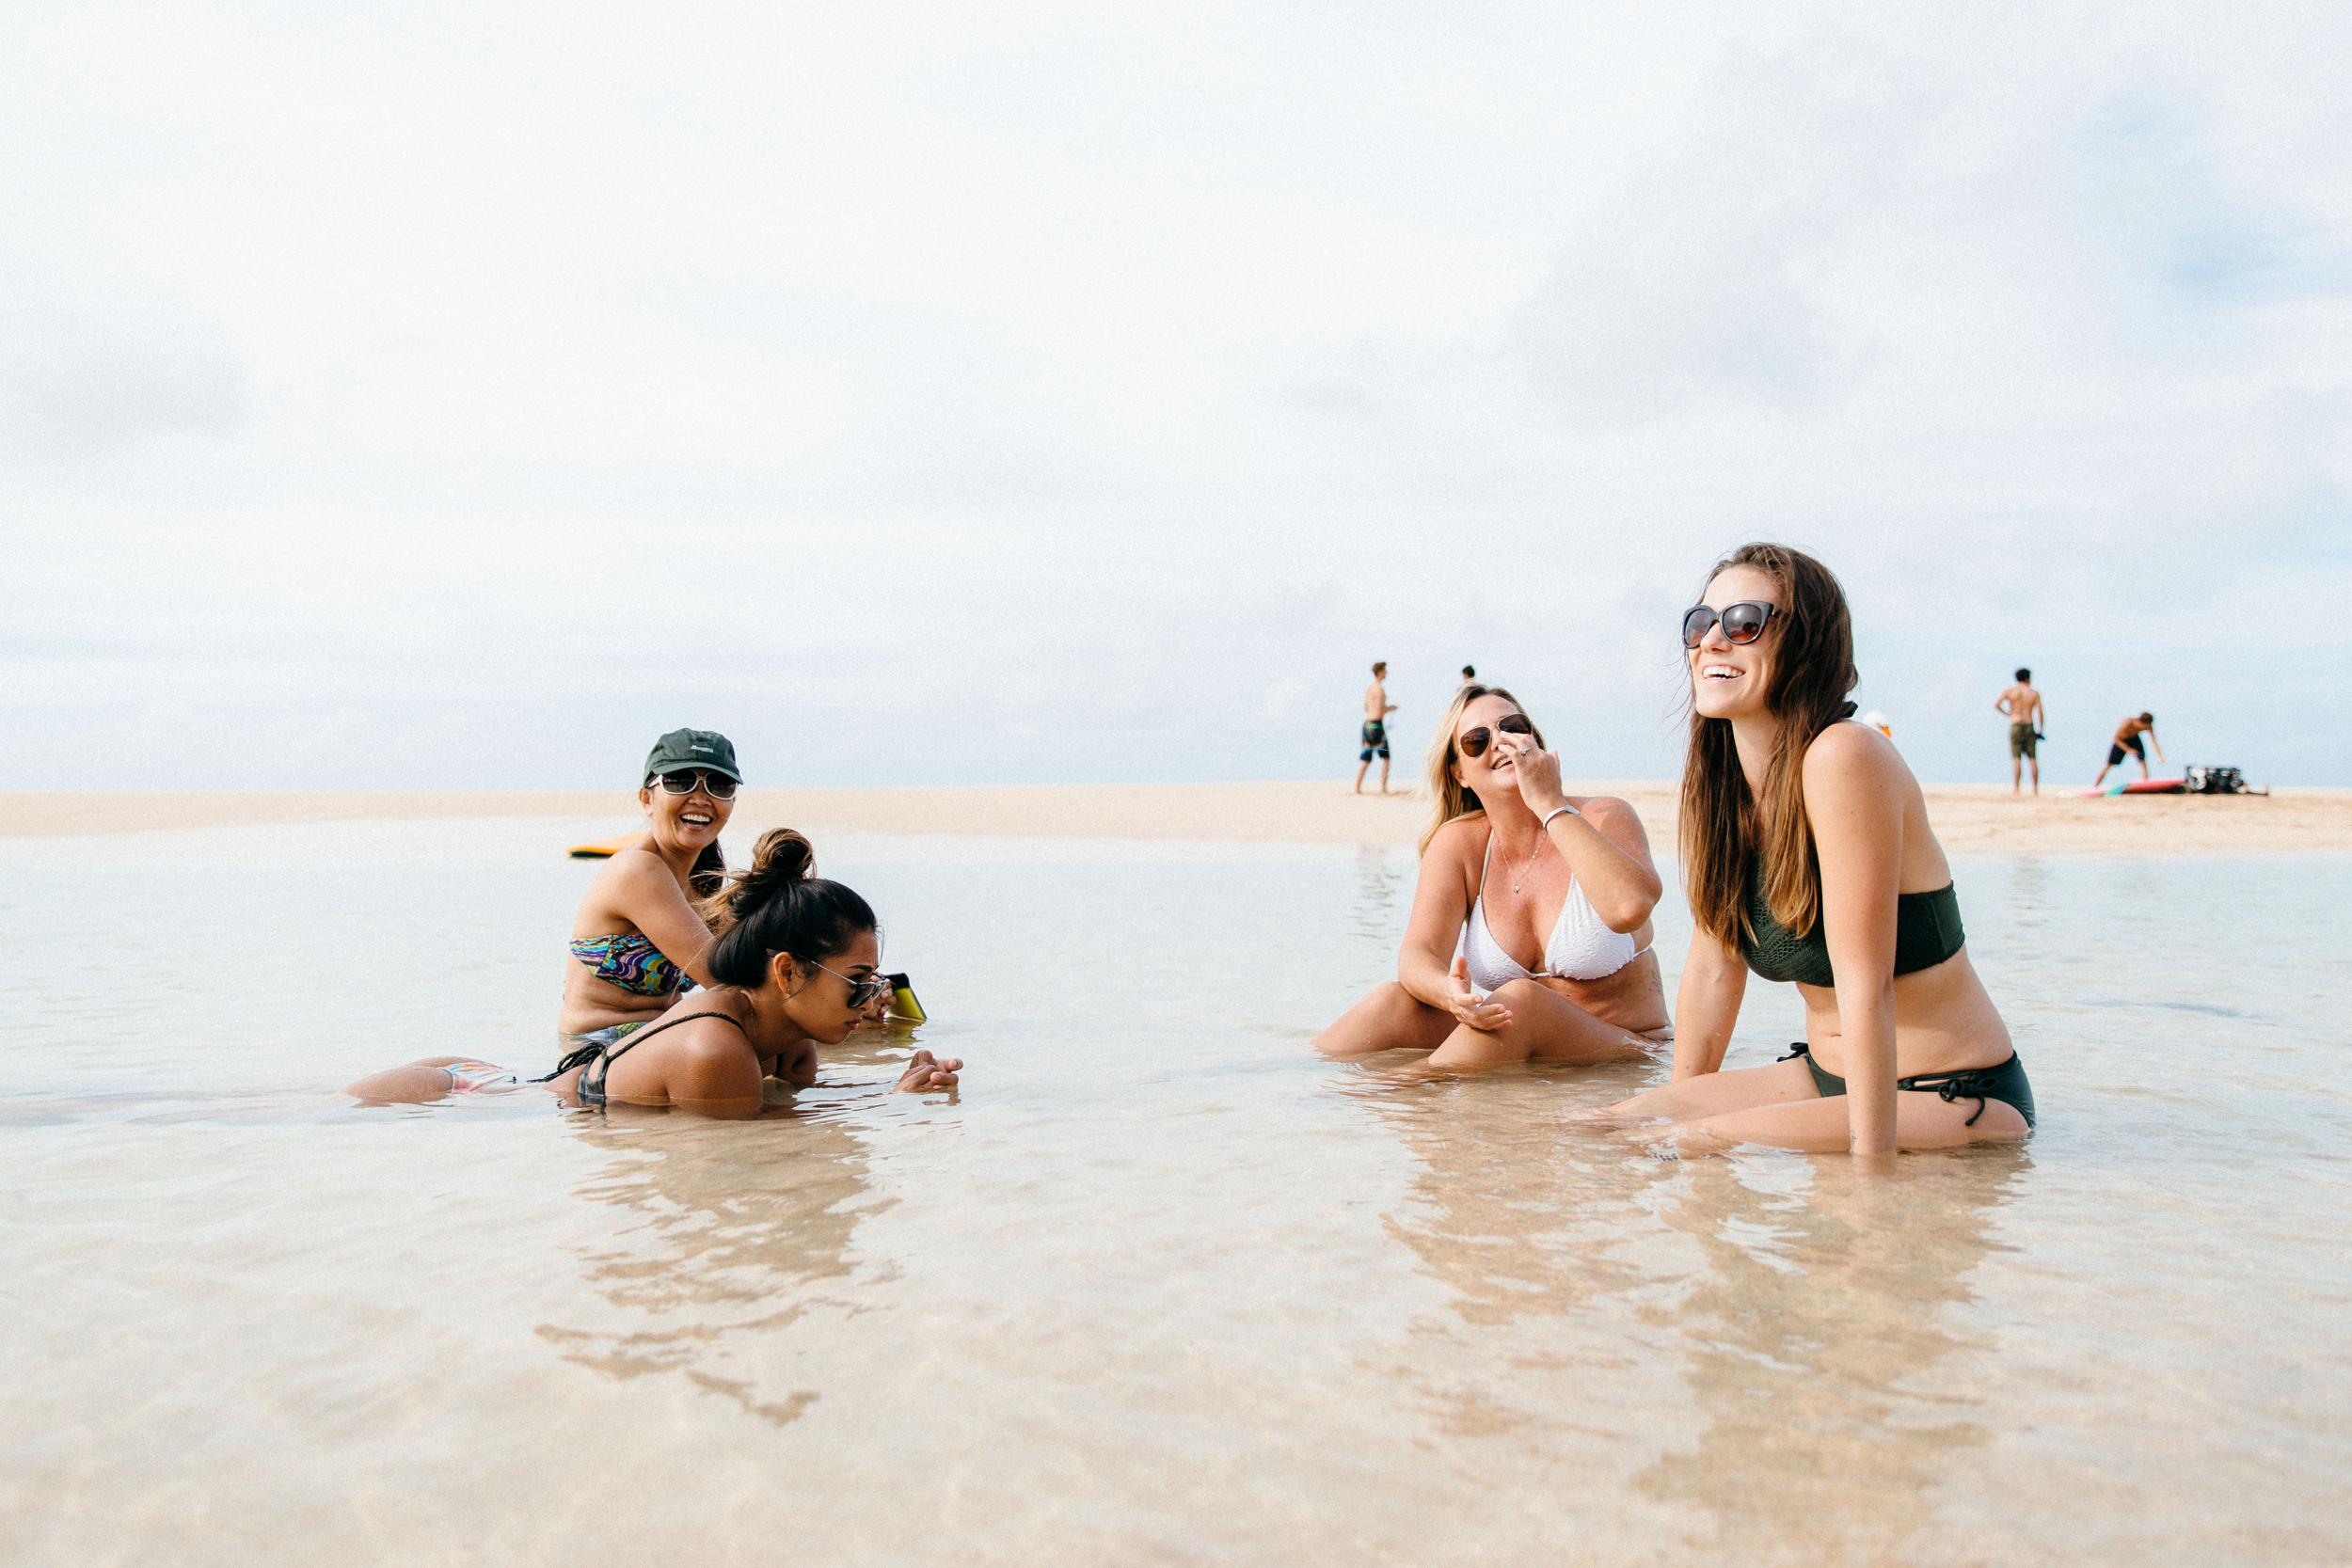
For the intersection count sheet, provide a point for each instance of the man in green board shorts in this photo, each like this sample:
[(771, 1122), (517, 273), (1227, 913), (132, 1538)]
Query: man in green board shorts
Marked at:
[(2023, 704), (1376, 737)]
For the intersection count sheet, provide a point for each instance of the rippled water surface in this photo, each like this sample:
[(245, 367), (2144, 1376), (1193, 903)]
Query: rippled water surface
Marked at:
[(1159, 1286)]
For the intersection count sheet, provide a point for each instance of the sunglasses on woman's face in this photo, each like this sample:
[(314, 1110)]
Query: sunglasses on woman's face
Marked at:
[(1743, 622), (1473, 743), (685, 781), (861, 990)]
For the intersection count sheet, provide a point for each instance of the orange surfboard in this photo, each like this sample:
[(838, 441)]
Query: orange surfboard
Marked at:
[(604, 851)]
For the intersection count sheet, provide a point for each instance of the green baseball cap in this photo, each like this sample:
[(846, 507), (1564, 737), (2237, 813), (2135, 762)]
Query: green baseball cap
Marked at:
[(705, 749)]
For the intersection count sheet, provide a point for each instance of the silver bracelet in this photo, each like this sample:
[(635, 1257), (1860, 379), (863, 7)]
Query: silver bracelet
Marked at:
[(1544, 825)]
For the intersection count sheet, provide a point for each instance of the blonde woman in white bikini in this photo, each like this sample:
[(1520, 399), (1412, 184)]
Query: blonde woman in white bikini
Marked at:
[(1548, 897)]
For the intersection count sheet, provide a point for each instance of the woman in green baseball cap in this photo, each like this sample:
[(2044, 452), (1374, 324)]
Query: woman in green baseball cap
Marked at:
[(638, 939)]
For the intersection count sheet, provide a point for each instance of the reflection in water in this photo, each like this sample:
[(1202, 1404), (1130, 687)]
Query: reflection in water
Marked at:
[(1494, 1212), (1796, 1316), (1383, 889), (723, 1235), (1819, 1348)]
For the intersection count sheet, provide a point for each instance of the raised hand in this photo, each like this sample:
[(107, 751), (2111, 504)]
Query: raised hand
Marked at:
[(1484, 1015), (1536, 772)]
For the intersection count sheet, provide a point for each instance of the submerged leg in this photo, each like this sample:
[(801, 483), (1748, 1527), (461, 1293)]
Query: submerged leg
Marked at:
[(413, 1083), (1388, 1017), (1819, 1126), (1709, 1094), (1545, 1027)]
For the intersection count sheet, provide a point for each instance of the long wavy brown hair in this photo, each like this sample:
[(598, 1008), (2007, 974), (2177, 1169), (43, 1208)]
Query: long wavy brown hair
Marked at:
[(1450, 797), (1724, 826)]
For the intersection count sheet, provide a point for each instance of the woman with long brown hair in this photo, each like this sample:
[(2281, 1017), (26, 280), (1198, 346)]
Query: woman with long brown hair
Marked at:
[(1807, 856), (1548, 896)]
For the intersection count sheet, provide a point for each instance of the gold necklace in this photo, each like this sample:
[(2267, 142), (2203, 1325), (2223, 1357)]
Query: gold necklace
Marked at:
[(1529, 865)]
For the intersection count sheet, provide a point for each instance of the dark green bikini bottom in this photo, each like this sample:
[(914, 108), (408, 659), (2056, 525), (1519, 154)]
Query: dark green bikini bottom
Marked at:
[(2004, 1083)]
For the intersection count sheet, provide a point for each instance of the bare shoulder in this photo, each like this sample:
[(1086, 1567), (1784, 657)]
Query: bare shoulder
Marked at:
[(1850, 750), (711, 1060), (1853, 766), (1459, 842), (634, 868), (628, 877)]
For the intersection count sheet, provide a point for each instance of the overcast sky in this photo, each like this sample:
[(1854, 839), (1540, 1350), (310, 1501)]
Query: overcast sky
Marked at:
[(459, 395)]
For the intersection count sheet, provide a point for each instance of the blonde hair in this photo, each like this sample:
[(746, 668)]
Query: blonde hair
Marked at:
[(1449, 797)]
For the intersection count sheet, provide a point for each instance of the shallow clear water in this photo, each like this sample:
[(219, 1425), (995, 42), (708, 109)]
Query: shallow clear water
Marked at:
[(1159, 1286)]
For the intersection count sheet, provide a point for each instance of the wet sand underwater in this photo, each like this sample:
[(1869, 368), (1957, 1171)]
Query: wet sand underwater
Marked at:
[(1158, 1286)]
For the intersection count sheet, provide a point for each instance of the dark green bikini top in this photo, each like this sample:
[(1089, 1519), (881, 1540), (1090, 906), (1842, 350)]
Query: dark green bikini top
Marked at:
[(1926, 931)]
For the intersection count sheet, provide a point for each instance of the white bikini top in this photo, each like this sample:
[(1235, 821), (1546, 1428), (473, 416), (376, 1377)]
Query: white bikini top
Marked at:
[(1582, 947)]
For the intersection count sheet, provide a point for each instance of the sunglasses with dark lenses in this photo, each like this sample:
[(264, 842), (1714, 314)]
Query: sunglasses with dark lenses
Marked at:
[(861, 990), (1743, 622), (1474, 742), (685, 781)]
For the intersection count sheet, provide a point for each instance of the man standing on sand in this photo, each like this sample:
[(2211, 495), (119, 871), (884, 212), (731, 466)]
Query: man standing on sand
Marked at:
[(1469, 674), (2127, 735), (2023, 704), (1377, 710)]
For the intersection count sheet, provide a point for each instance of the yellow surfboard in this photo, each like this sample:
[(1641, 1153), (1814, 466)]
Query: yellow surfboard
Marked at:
[(605, 851)]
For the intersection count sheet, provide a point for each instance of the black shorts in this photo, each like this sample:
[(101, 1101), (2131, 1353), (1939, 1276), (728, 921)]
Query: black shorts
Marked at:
[(2134, 745), (1376, 740)]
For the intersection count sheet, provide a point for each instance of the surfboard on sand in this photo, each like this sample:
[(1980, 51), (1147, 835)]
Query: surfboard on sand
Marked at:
[(603, 850), (2142, 786)]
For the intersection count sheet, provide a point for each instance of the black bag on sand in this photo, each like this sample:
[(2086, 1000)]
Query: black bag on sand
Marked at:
[(2217, 781)]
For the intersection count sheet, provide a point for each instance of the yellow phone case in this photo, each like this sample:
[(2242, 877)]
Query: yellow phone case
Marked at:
[(902, 1002)]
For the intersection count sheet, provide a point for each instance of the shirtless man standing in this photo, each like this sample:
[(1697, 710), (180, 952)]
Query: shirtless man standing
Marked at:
[(1377, 710), (2127, 735), (2023, 704)]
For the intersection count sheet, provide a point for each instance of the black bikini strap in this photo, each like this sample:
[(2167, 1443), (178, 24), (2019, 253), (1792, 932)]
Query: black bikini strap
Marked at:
[(1948, 1087), (597, 1056)]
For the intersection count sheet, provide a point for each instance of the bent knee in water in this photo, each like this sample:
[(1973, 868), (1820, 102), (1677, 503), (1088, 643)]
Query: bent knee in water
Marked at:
[(1511, 993)]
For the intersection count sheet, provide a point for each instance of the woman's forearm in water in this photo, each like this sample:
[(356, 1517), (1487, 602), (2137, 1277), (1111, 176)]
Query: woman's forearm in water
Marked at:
[(1866, 1022), (1707, 1005)]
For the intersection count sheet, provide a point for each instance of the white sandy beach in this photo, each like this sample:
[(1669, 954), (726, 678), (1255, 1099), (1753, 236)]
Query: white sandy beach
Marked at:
[(1970, 818)]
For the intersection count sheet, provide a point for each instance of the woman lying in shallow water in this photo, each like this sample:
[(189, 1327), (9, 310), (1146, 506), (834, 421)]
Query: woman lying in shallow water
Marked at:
[(1548, 894), (794, 964), (1808, 857)]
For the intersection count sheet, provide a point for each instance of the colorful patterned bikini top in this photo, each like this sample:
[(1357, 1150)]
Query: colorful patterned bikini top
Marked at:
[(631, 962)]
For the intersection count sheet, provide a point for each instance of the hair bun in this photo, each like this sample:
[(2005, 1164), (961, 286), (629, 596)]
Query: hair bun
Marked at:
[(781, 858)]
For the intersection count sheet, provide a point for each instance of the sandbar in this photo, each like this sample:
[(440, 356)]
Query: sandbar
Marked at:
[(1969, 818)]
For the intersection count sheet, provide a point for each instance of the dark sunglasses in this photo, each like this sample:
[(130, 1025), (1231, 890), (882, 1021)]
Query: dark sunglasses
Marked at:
[(685, 781), (863, 989), (1743, 622), (1473, 743)]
